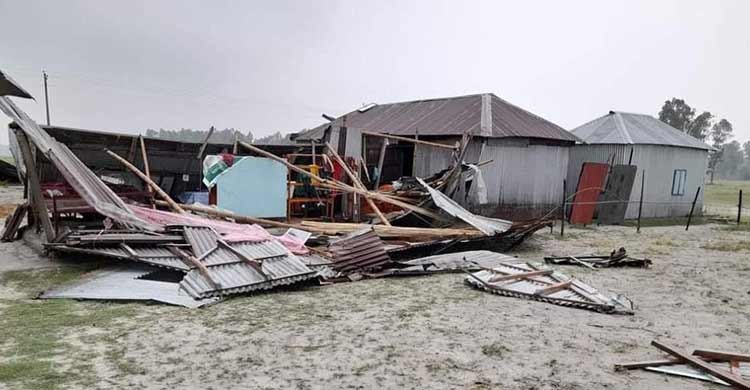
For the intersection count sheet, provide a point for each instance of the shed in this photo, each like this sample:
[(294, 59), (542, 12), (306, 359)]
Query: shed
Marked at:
[(529, 154), (674, 162)]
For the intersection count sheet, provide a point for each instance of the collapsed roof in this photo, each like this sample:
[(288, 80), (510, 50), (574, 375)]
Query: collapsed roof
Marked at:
[(632, 129), (484, 115)]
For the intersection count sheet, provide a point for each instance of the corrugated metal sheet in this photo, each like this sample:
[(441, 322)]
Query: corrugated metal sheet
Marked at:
[(358, 251), (659, 163), (124, 283), (9, 87), (449, 116), (488, 226), (628, 128), (590, 185), (230, 273), (156, 256), (86, 183), (574, 294), (202, 239)]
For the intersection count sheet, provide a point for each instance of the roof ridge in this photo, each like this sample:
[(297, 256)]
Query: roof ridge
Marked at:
[(622, 128), (528, 112)]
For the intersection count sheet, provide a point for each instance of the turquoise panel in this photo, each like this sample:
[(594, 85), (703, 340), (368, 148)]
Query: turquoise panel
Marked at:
[(254, 186)]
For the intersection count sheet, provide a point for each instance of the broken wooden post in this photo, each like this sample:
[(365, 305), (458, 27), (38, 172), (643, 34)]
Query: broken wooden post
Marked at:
[(692, 208), (640, 202), (172, 204), (357, 183), (381, 159), (34, 187), (144, 157), (724, 375), (739, 208)]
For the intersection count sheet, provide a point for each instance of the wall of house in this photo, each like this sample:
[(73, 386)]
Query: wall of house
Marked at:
[(659, 163), (524, 179)]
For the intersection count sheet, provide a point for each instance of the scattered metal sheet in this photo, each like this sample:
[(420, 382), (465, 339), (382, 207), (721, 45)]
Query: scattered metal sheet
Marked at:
[(83, 180), (9, 87), (692, 372), (123, 283), (546, 285), (451, 262), (618, 189), (617, 258), (488, 226), (240, 267), (358, 251), (152, 255), (590, 185)]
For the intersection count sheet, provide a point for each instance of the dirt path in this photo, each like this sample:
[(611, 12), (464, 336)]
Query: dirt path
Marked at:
[(427, 332)]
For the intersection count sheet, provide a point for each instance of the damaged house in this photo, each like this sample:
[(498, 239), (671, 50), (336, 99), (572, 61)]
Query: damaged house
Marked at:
[(674, 162), (523, 158)]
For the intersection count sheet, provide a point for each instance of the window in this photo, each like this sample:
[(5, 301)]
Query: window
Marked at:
[(679, 178)]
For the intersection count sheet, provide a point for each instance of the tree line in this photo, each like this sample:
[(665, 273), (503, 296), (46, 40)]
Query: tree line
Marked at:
[(728, 160)]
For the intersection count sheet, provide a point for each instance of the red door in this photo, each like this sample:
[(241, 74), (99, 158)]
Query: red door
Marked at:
[(590, 185)]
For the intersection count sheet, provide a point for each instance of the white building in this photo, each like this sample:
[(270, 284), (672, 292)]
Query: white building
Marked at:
[(673, 161)]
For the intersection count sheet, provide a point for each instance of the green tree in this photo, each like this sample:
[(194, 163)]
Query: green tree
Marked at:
[(731, 161), (681, 116), (746, 150)]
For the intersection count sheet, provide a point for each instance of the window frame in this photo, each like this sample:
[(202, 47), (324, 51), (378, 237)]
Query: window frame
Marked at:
[(679, 182)]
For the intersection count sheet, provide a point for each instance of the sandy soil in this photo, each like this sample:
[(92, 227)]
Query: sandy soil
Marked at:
[(436, 332)]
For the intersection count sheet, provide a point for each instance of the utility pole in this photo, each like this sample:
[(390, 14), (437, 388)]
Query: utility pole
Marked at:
[(46, 95)]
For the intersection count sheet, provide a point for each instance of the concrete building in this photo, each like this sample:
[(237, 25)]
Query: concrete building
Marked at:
[(674, 162), (529, 154)]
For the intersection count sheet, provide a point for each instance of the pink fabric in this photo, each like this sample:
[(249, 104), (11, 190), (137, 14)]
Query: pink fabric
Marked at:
[(230, 231)]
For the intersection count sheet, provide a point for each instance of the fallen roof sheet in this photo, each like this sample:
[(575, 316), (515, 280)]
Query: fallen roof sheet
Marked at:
[(358, 251), (546, 285), (450, 262), (151, 255), (123, 283), (231, 268), (488, 226), (91, 189), (9, 87)]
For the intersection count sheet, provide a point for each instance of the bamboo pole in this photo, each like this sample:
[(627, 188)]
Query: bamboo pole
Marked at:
[(172, 204), (692, 208), (357, 183), (342, 186), (144, 157), (35, 191), (412, 140), (228, 214)]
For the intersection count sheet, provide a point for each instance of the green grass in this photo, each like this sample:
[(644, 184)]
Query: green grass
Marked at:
[(676, 221), (33, 330), (725, 192), (728, 246), (495, 350)]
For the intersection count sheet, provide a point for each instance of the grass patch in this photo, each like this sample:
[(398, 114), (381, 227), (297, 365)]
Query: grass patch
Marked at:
[(745, 227), (728, 246), (33, 330), (677, 221), (726, 192), (495, 350)]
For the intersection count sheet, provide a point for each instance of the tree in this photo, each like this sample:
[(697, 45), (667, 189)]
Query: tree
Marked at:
[(731, 161), (681, 116), (676, 113), (721, 132), (746, 150)]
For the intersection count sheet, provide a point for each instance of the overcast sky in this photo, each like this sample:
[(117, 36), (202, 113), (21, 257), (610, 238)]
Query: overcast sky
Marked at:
[(269, 66)]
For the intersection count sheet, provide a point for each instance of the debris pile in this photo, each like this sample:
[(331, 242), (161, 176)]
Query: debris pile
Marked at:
[(707, 365), (617, 258)]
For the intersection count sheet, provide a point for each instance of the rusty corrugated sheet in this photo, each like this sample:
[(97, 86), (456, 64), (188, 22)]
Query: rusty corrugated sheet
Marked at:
[(590, 185), (358, 251), (483, 115), (229, 272)]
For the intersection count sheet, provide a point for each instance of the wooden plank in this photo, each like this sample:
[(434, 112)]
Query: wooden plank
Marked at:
[(34, 187), (553, 288), (172, 204), (646, 363), (734, 380), (583, 263), (144, 157), (412, 140), (523, 275), (190, 259), (722, 355)]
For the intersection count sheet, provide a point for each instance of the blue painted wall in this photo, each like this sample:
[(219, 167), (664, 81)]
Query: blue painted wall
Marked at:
[(254, 186)]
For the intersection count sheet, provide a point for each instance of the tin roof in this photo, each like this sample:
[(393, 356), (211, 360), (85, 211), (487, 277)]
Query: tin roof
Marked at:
[(628, 128), (484, 115)]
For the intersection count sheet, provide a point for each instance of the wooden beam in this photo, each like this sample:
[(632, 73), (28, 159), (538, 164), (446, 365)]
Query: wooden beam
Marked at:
[(35, 190), (722, 355), (553, 288), (357, 183), (190, 259), (381, 159), (412, 140), (733, 380), (228, 214), (523, 275), (172, 204)]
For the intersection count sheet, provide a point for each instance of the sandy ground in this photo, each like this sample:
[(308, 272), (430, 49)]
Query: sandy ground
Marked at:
[(430, 332)]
